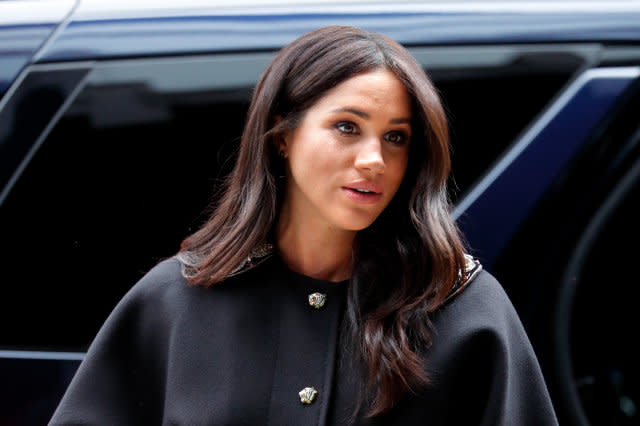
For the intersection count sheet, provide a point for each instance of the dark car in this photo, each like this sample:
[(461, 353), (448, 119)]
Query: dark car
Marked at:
[(119, 119)]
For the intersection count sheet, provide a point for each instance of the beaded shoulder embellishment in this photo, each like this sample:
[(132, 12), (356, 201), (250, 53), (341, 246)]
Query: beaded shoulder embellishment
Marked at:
[(472, 268), (256, 257)]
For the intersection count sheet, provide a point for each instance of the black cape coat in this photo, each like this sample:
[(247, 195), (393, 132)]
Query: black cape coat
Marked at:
[(240, 352)]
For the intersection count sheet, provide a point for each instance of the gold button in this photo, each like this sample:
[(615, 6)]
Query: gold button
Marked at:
[(307, 395), (317, 300)]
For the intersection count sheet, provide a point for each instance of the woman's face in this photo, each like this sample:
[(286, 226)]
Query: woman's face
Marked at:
[(346, 159)]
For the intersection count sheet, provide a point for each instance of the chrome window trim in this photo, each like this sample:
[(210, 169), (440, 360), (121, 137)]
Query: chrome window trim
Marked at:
[(62, 356)]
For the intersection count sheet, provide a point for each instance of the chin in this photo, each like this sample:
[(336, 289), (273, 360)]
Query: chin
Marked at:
[(355, 219), (357, 225)]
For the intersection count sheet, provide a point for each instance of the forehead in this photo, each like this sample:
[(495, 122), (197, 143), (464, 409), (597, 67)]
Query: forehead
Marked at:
[(378, 90)]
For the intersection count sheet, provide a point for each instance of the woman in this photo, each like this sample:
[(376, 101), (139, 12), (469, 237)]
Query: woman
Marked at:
[(330, 285)]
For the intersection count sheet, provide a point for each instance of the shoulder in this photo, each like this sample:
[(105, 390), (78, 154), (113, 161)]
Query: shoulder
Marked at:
[(481, 357), (154, 300), (166, 273), (482, 295), (484, 292), (479, 329), (163, 301), (483, 308), (162, 283), (164, 294)]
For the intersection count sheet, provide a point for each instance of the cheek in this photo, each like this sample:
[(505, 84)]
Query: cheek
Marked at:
[(397, 169), (314, 155), (310, 165)]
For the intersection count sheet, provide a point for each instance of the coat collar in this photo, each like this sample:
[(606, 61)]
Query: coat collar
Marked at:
[(264, 251)]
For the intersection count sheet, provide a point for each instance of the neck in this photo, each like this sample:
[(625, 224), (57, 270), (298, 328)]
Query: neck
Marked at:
[(318, 252)]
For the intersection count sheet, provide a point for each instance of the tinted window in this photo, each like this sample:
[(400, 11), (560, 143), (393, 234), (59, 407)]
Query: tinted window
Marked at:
[(116, 185)]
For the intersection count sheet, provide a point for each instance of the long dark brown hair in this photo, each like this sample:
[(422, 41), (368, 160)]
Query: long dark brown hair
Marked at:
[(406, 262)]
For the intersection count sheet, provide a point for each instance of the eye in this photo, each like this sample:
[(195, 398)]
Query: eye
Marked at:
[(347, 127), (396, 137)]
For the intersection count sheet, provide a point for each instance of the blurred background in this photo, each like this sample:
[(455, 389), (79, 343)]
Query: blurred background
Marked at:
[(119, 119)]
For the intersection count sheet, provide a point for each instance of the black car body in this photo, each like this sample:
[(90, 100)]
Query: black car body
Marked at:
[(117, 120)]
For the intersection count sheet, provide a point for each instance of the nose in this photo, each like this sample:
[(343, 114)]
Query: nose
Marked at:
[(369, 157)]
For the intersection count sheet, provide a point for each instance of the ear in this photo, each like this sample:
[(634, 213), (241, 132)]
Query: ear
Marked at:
[(281, 140)]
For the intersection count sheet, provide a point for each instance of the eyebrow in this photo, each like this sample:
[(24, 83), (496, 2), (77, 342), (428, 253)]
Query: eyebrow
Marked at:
[(366, 116)]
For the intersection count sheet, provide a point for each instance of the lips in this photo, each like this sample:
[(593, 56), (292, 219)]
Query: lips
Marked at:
[(364, 186), (363, 191)]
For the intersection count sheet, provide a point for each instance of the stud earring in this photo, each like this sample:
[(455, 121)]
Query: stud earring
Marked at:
[(281, 153)]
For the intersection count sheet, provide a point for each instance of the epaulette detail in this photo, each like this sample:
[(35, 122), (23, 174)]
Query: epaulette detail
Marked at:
[(258, 255), (472, 268)]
